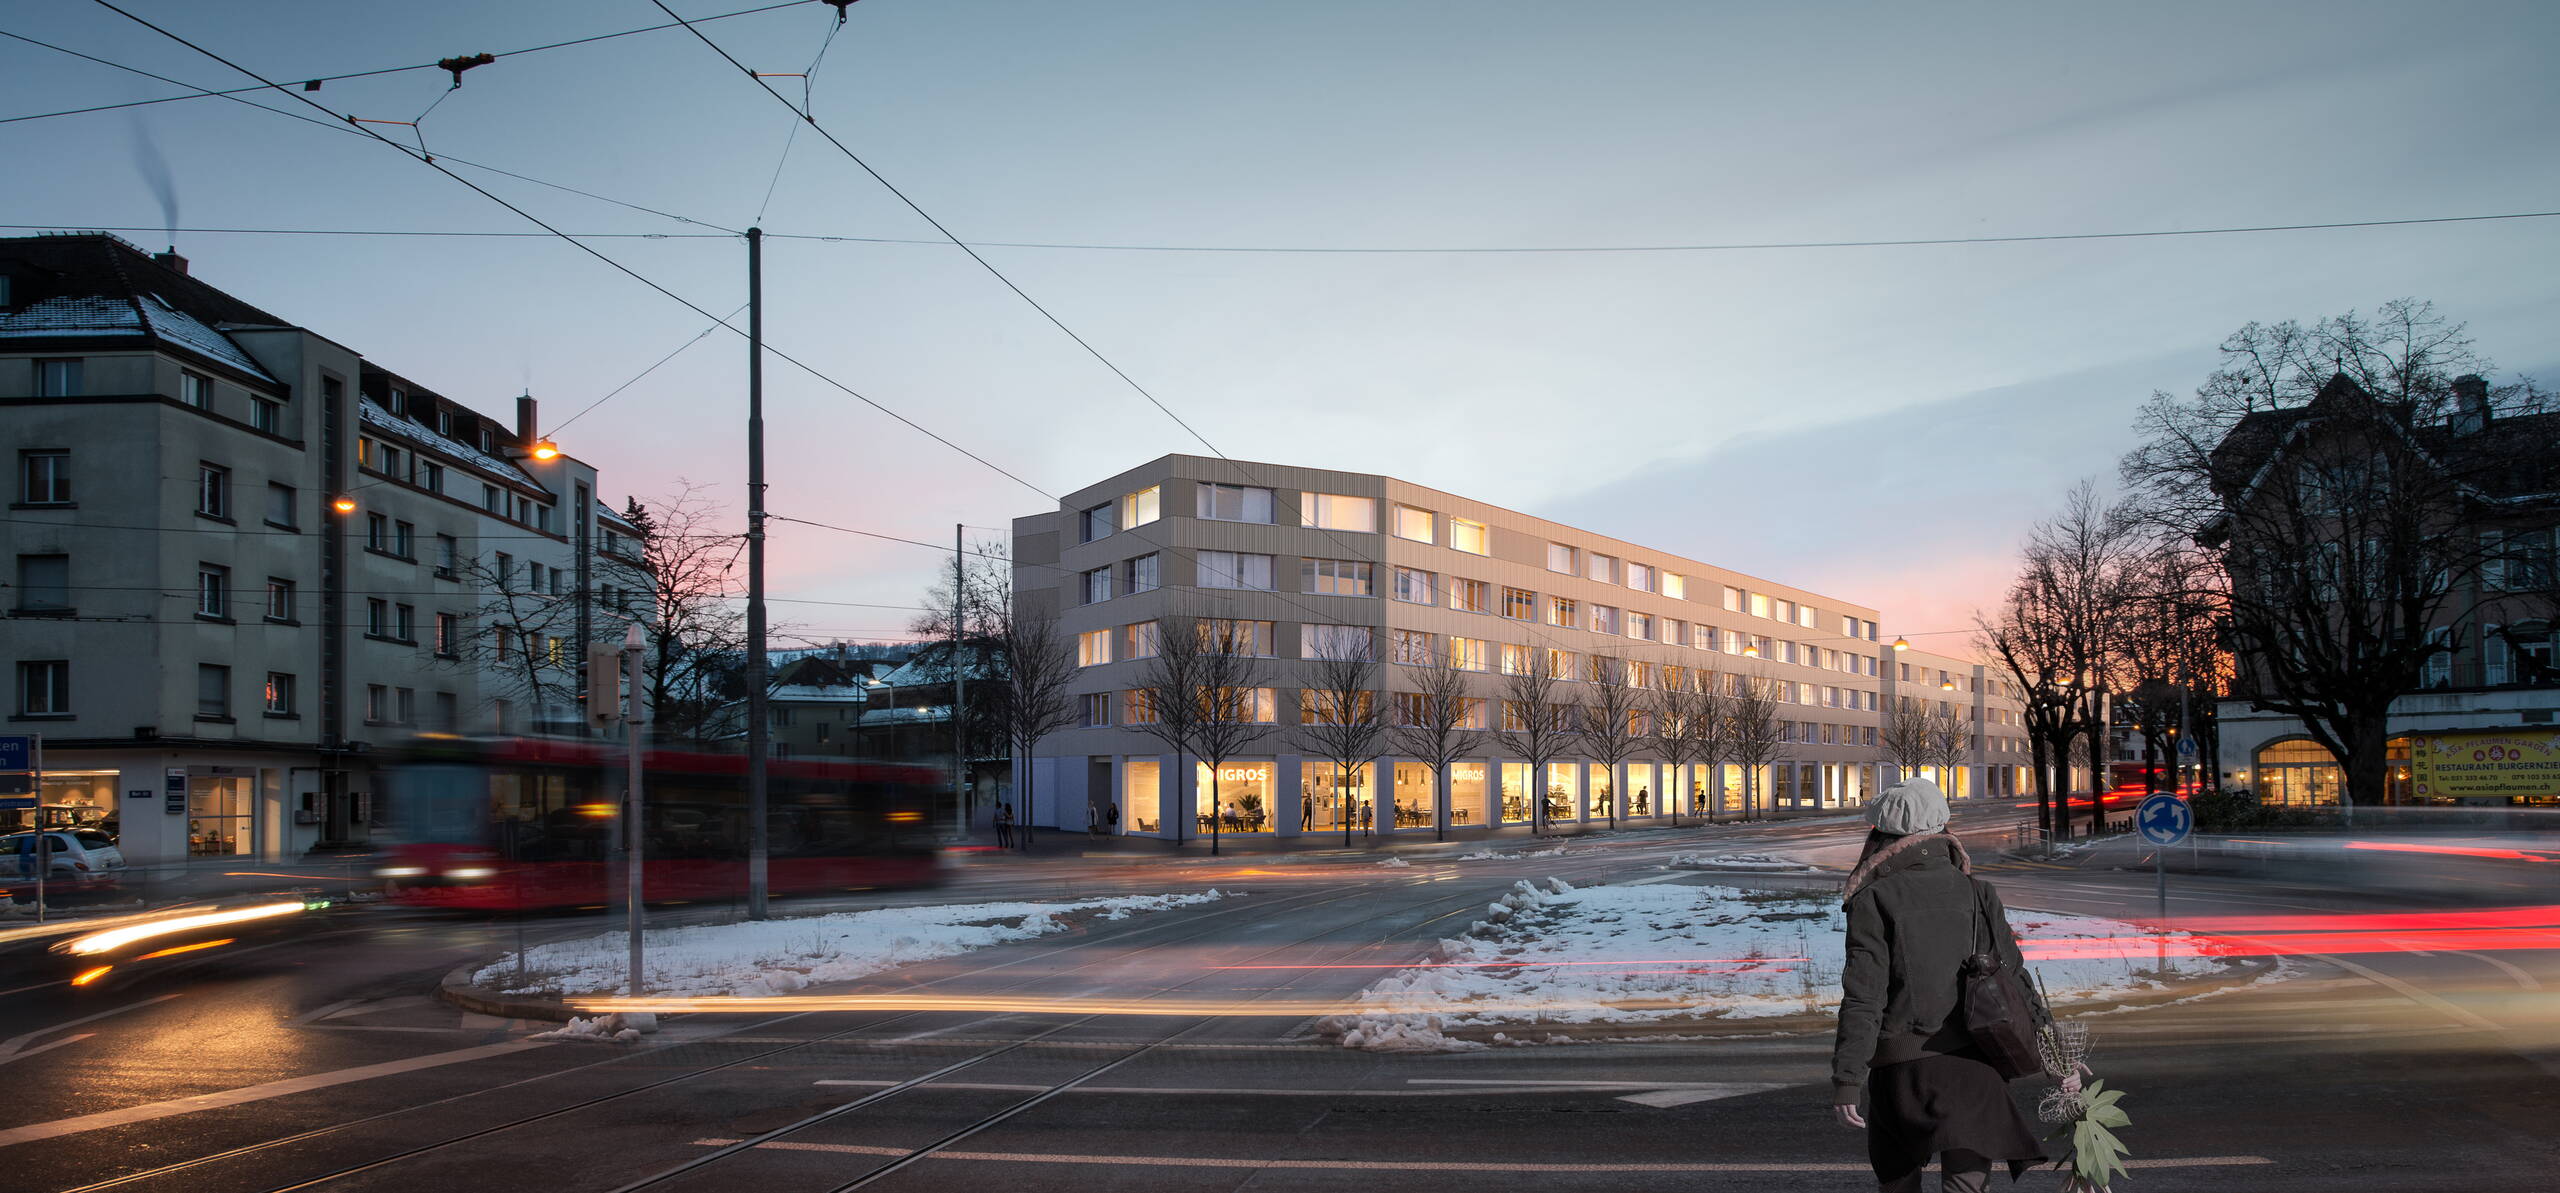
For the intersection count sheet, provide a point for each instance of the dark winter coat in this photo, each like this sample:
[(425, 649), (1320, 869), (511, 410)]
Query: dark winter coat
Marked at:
[(1912, 923)]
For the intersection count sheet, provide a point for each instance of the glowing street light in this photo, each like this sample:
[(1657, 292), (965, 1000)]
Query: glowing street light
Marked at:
[(343, 503), (1901, 644), (544, 449)]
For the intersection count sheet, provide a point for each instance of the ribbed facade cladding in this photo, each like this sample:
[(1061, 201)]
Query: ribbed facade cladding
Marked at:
[(1439, 569)]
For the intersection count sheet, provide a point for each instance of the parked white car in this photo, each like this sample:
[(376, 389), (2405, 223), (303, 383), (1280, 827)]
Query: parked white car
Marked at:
[(82, 859)]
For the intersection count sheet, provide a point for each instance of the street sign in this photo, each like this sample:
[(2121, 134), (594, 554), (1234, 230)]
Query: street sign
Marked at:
[(20, 751), (2186, 747), (173, 786), (2163, 819)]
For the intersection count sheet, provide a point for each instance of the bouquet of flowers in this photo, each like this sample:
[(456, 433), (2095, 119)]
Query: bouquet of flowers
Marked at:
[(2088, 1114)]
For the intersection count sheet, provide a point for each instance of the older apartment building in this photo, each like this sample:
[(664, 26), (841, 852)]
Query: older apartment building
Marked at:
[(1306, 560), (243, 559)]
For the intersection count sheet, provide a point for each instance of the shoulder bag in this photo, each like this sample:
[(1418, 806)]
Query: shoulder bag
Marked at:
[(1998, 1011)]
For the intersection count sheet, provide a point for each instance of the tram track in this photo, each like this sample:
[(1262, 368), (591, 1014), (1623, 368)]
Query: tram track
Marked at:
[(1196, 921), (1195, 927)]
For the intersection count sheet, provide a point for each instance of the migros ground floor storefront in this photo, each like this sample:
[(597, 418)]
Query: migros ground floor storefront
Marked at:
[(1284, 795), (172, 806)]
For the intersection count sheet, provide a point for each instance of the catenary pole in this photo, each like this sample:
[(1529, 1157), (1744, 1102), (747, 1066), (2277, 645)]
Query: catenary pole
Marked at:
[(633, 817), (757, 729), (959, 731)]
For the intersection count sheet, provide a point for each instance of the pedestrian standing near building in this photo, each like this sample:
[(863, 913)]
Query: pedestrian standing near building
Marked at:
[(1111, 818), (1915, 913), (1004, 826)]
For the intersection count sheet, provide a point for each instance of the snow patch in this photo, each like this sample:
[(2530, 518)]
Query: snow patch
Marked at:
[(603, 1029), (1549, 954), (1396, 863), (767, 957), (1733, 861)]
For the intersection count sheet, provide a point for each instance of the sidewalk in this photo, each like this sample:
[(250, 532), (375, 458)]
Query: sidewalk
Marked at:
[(1330, 842)]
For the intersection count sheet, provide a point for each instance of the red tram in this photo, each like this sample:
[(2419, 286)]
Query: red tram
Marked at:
[(513, 824)]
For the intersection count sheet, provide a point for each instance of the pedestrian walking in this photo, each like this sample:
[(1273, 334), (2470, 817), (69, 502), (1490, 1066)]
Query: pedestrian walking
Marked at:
[(1111, 818), (1915, 914), (1004, 826)]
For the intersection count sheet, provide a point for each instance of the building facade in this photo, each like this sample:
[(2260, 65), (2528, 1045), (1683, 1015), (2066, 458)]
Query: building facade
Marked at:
[(245, 559), (1998, 760), (1297, 562)]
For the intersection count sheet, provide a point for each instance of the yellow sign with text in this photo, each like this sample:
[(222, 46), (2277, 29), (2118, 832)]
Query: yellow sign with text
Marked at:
[(2498, 764)]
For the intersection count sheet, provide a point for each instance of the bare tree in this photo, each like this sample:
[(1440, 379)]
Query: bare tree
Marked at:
[(1235, 707), (2082, 556), (524, 642), (1338, 719), (1536, 725), (2344, 471), (1759, 737), (2028, 639), (679, 582), (2173, 665), (1904, 737), (1687, 716), (1166, 704), (1039, 666), (1947, 740), (1438, 723), (1611, 716)]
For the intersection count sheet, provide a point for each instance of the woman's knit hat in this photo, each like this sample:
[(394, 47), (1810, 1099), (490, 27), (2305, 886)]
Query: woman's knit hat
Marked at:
[(1914, 805)]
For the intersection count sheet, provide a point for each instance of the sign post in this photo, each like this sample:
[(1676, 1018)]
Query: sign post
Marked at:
[(2163, 819)]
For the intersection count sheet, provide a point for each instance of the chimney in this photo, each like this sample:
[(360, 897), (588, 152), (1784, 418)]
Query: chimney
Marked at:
[(171, 259), (527, 429), (2470, 404)]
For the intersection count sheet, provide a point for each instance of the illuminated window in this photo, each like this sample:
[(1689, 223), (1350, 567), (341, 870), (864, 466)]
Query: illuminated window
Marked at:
[(1137, 707), (1759, 604), (1469, 537), (1413, 647), (1564, 664), (1141, 507), (1806, 617), (279, 694), (1093, 648), (1563, 611), (1640, 625), (1604, 619), (1470, 596), (1733, 598), (1469, 654), (1519, 604), (1138, 640), (1675, 586), (1333, 511), (1414, 524), (1515, 659), (1221, 635)]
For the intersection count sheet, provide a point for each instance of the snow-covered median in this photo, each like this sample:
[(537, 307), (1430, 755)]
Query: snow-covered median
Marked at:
[(768, 957), (1549, 954)]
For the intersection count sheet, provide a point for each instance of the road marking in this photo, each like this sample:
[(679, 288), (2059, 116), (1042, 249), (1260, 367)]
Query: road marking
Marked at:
[(1690, 1092), (2523, 979), (250, 1093), (1665, 1099), (24, 989), (11, 1046), (1653, 878), (2412, 993), (46, 1047), (855, 1149)]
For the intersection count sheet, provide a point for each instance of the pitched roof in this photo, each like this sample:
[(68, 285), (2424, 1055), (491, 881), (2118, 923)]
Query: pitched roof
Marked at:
[(92, 285)]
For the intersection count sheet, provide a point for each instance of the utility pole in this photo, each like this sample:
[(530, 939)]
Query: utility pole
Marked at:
[(959, 730), (757, 729), (629, 664)]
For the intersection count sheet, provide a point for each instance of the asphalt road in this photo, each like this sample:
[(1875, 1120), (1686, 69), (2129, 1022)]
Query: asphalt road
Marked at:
[(316, 1059)]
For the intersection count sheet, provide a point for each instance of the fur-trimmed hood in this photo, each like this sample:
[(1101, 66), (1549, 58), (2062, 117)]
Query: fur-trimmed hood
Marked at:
[(1902, 852)]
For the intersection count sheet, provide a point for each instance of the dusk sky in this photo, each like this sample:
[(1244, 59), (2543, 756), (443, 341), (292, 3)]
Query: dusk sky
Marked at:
[(1881, 423)]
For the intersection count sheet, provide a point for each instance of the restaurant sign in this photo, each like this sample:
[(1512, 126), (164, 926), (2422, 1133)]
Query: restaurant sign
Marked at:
[(2496, 764)]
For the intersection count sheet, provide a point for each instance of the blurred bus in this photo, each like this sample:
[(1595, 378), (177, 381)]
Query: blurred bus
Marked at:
[(510, 824)]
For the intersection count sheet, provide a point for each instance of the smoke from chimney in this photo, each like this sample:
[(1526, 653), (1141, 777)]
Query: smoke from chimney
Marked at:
[(154, 168)]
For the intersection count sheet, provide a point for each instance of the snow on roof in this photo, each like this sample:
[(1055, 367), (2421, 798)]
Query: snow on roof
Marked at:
[(821, 694), (97, 315), (180, 327), (377, 417), (612, 517)]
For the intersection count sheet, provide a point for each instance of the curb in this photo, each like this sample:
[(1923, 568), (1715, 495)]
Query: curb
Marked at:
[(458, 990)]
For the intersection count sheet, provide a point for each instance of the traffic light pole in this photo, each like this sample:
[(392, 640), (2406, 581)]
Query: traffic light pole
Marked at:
[(633, 818)]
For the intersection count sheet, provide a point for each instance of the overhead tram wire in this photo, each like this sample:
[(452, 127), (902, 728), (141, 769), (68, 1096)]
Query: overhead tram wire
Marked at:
[(1407, 250), (342, 126), (363, 74), (635, 380), (590, 250)]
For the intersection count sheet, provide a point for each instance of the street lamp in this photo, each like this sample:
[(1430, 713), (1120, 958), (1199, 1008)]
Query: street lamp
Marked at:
[(343, 503), (1901, 644)]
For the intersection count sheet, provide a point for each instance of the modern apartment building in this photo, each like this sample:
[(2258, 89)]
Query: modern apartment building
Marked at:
[(244, 559), (1299, 562), (1999, 762)]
